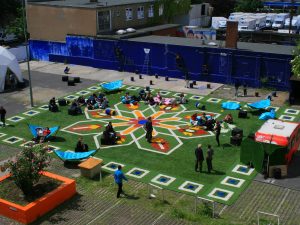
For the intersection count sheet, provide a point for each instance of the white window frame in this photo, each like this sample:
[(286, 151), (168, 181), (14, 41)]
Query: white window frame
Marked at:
[(151, 11), (161, 10), (128, 14), (141, 12)]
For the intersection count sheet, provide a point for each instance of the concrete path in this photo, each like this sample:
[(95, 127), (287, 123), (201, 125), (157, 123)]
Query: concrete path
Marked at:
[(176, 85)]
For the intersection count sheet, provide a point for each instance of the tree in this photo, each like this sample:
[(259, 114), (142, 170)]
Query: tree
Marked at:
[(221, 7), (296, 61), (8, 9), (172, 8), (248, 5), (16, 26)]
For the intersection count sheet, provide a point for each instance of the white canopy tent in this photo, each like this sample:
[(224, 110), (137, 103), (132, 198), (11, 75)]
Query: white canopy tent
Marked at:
[(8, 60)]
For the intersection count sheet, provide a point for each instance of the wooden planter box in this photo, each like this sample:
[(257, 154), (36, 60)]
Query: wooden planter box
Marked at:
[(34, 210)]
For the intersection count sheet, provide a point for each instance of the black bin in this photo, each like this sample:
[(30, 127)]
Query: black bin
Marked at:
[(65, 78), (277, 173), (71, 83), (237, 132), (76, 79)]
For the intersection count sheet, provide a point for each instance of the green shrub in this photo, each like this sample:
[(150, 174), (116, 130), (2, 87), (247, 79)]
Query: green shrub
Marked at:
[(27, 166)]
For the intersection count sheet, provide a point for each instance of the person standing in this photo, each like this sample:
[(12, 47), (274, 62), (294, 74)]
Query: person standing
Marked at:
[(218, 132), (245, 89), (209, 157), (199, 158), (2, 115), (236, 86), (119, 177), (149, 129)]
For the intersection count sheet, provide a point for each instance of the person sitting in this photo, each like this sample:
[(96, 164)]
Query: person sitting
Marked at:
[(81, 101), (81, 146), (104, 103), (182, 99), (101, 95), (52, 105), (158, 99), (210, 123), (194, 119), (91, 100), (112, 132), (107, 137), (228, 118), (149, 99), (66, 70), (75, 108), (142, 94)]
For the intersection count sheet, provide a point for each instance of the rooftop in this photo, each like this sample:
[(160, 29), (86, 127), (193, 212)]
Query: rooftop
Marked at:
[(254, 47), (278, 127), (86, 3)]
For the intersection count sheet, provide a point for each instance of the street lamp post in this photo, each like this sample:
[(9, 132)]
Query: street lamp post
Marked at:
[(27, 50)]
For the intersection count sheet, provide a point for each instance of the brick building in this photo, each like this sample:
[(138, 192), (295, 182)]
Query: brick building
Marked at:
[(53, 20)]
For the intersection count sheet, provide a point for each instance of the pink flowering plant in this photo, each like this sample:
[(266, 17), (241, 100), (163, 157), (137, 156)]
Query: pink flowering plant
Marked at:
[(26, 168)]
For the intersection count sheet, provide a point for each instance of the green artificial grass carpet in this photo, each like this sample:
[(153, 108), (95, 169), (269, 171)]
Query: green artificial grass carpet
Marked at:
[(167, 162)]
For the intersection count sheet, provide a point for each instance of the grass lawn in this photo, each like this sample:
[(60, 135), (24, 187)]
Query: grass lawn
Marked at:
[(170, 159)]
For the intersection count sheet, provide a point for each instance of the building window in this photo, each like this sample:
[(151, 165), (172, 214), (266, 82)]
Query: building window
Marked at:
[(160, 10), (103, 20), (128, 14), (151, 11), (140, 12)]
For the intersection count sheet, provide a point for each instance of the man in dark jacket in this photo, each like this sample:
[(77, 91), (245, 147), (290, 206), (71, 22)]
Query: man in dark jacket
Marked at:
[(199, 158), (149, 129), (2, 115), (209, 157), (218, 132)]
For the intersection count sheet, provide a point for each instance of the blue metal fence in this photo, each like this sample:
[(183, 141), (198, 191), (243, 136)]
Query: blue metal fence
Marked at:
[(223, 65)]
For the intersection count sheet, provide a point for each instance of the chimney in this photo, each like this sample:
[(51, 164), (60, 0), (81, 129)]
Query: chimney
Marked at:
[(231, 34)]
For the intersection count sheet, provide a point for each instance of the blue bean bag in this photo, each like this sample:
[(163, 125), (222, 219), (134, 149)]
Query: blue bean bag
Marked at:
[(74, 156), (112, 86), (262, 104), (32, 128), (231, 105), (268, 115)]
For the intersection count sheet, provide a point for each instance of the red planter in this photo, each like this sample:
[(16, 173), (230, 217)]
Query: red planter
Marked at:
[(34, 210)]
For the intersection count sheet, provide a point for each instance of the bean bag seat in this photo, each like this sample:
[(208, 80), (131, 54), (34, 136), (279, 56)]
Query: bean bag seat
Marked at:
[(74, 156), (112, 86), (268, 115), (262, 104), (33, 130), (231, 105)]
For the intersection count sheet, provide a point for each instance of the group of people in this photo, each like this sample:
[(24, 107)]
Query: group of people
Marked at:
[(204, 120), (41, 134), (95, 101), (152, 100), (200, 158)]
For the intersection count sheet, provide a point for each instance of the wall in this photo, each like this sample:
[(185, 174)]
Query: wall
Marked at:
[(54, 23), (119, 16), (224, 65)]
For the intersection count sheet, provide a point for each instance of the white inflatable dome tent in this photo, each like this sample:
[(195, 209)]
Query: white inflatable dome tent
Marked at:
[(8, 61)]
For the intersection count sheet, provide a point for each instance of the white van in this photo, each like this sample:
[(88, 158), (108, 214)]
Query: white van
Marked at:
[(280, 20)]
